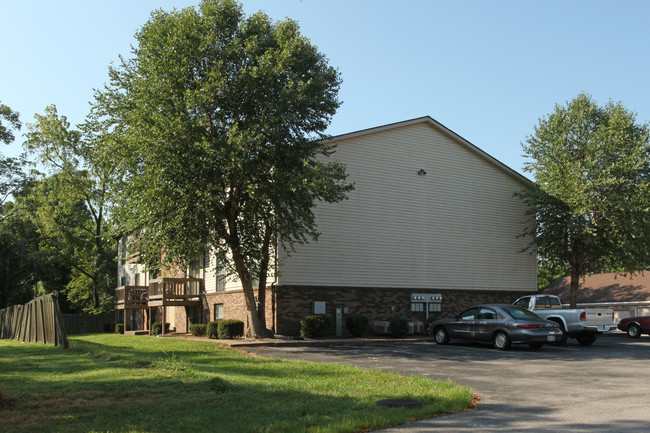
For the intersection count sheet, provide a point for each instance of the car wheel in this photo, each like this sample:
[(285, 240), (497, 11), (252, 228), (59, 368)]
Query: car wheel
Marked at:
[(634, 330), (587, 339), (441, 335), (536, 345), (501, 341)]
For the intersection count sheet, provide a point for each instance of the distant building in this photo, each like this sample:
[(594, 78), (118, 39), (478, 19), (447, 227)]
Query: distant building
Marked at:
[(628, 295)]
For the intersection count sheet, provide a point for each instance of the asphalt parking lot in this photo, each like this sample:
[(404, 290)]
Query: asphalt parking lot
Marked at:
[(600, 388)]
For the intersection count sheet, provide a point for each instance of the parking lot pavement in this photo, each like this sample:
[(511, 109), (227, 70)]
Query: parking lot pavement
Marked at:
[(601, 388)]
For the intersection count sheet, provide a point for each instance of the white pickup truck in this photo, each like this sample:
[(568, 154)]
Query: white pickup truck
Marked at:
[(582, 324)]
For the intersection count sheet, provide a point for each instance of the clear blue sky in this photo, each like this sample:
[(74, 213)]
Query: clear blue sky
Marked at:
[(485, 69)]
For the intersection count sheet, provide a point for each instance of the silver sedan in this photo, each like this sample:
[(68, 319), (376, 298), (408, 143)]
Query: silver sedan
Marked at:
[(502, 325)]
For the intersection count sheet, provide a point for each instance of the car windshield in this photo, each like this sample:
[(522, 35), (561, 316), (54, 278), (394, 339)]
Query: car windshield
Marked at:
[(520, 313)]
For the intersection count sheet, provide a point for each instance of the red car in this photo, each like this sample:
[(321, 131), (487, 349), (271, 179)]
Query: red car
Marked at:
[(635, 326)]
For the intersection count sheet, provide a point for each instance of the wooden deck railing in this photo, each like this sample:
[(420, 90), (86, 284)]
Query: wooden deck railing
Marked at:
[(164, 291), (131, 296), (175, 288)]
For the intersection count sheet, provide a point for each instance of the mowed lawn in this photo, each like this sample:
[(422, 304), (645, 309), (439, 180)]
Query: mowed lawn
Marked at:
[(122, 383)]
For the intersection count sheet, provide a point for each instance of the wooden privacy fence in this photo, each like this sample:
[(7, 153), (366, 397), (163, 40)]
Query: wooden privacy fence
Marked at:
[(86, 323), (39, 320)]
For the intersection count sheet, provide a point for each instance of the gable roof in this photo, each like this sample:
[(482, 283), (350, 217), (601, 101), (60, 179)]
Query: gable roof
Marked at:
[(600, 288), (441, 129)]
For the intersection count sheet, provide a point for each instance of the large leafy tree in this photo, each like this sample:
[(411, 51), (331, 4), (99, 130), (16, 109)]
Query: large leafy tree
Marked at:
[(216, 123), (69, 207), (591, 197), (19, 257), (11, 169)]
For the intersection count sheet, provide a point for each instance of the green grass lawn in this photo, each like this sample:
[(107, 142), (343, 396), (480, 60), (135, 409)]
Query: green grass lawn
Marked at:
[(122, 383)]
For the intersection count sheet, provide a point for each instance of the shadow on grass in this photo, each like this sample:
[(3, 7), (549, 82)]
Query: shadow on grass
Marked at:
[(118, 387)]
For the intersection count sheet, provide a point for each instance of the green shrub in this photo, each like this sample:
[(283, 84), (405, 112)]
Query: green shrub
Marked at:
[(399, 328), (228, 329), (314, 326), (357, 324), (211, 329), (156, 328), (197, 329), (119, 328)]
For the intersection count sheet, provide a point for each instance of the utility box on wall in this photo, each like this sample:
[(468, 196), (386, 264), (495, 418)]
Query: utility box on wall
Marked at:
[(426, 303), (320, 307)]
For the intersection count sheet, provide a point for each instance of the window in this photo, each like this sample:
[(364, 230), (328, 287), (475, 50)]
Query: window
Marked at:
[(194, 270), (470, 314), (487, 314), (137, 279), (523, 302), (218, 311), (221, 282), (547, 302)]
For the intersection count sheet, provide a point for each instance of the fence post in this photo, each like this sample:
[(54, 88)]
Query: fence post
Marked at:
[(60, 337)]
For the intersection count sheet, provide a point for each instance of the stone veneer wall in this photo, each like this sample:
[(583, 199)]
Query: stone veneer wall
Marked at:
[(296, 302)]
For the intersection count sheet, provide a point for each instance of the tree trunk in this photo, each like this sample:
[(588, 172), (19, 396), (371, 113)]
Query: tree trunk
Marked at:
[(254, 327), (264, 272)]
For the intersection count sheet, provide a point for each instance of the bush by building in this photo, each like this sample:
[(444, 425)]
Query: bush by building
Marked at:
[(314, 326), (357, 324), (198, 329), (228, 329)]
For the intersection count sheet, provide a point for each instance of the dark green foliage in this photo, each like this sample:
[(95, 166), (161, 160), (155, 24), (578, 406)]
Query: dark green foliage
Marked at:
[(21, 261), (198, 329), (69, 206), (119, 328), (218, 119), (228, 329), (357, 324), (589, 205), (399, 328), (156, 328), (212, 329), (314, 326)]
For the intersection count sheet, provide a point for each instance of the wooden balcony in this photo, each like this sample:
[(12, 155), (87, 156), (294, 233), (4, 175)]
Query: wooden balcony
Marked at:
[(161, 292), (175, 292), (131, 297)]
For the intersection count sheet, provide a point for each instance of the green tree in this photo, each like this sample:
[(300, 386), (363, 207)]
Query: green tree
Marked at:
[(217, 124), (592, 189), (19, 257), (11, 169), (6, 131), (70, 206)]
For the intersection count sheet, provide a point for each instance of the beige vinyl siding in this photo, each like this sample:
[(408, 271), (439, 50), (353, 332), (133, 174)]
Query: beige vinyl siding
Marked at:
[(210, 276), (227, 282), (127, 271), (456, 227)]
